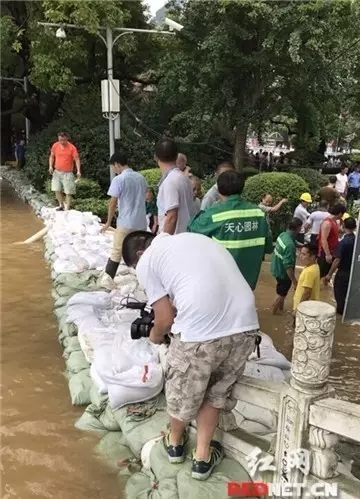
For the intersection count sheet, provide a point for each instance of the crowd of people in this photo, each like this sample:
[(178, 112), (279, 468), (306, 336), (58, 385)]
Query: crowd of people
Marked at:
[(199, 264)]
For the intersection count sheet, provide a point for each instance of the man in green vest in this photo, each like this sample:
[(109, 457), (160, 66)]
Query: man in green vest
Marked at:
[(239, 226), (283, 263)]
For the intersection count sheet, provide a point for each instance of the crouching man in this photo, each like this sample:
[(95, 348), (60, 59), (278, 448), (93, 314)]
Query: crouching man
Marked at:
[(213, 329)]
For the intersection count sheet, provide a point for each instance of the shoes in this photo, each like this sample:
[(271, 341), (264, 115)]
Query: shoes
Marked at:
[(176, 453), (59, 208), (201, 470)]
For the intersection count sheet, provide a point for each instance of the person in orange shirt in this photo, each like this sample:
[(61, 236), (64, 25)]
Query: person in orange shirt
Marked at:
[(61, 167)]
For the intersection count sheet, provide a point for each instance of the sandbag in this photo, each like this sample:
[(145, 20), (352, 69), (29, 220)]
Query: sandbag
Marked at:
[(253, 413), (112, 447), (267, 373), (76, 362), (172, 481), (71, 344), (60, 312), (142, 422), (79, 387)]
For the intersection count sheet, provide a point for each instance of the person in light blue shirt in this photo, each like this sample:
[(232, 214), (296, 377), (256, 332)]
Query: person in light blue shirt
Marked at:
[(128, 193), (354, 185)]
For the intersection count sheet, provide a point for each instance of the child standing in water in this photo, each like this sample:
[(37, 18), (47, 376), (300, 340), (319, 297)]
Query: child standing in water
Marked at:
[(151, 210)]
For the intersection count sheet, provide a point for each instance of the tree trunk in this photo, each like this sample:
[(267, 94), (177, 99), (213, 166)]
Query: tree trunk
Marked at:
[(240, 145)]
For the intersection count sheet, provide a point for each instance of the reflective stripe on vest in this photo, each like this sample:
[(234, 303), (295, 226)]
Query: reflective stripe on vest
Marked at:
[(246, 243), (231, 214)]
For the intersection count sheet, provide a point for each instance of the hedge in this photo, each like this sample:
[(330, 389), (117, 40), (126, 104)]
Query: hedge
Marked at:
[(152, 177), (85, 188), (279, 185), (97, 206), (313, 178)]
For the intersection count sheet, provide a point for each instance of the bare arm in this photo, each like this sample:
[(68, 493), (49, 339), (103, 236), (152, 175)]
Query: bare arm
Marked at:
[(306, 294), (325, 231), (334, 266), (171, 221), (277, 207), (51, 162), (111, 212), (164, 317), (291, 275), (156, 223), (77, 163)]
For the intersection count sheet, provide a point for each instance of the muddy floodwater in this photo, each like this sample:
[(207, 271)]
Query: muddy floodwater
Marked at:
[(42, 454)]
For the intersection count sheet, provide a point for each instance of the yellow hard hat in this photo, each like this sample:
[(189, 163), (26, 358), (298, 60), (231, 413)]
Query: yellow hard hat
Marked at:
[(345, 216), (306, 196)]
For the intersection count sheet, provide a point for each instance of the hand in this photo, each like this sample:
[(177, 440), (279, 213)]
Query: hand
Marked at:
[(51, 170), (327, 279), (104, 228), (284, 200), (329, 258), (156, 337), (78, 174)]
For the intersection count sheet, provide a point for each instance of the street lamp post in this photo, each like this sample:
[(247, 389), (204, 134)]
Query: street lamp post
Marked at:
[(24, 83), (109, 42)]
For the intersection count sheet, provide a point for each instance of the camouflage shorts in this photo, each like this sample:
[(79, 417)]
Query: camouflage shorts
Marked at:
[(206, 371)]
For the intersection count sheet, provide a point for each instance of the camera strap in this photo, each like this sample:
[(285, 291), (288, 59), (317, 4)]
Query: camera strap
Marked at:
[(257, 345)]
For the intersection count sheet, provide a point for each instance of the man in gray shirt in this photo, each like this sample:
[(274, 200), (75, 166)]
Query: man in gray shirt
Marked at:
[(175, 200), (127, 191), (212, 196)]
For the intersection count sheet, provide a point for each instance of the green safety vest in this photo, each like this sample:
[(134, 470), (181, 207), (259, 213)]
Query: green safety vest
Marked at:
[(284, 256), (240, 227)]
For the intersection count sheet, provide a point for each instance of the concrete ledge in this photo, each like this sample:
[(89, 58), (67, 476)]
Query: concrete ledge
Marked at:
[(337, 416)]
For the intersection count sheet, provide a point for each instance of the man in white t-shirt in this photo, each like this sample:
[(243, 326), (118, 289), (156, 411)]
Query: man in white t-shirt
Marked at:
[(212, 196), (315, 220), (206, 304), (302, 213), (175, 200), (342, 181)]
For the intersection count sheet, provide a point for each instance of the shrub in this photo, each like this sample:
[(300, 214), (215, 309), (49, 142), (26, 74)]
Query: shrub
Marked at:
[(85, 188), (97, 206), (313, 178), (279, 185), (152, 177), (303, 157)]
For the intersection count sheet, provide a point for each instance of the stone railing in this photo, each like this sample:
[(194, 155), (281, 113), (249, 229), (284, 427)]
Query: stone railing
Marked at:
[(310, 421)]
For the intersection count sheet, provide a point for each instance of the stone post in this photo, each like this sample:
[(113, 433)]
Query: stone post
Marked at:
[(310, 366)]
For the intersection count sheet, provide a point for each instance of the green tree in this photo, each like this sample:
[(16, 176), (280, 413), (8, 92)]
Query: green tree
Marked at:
[(241, 63)]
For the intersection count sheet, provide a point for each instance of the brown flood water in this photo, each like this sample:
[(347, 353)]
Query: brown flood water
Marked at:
[(42, 454), (345, 368)]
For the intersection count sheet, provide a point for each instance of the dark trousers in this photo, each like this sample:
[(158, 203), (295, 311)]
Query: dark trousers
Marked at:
[(314, 238), (341, 284), (353, 194)]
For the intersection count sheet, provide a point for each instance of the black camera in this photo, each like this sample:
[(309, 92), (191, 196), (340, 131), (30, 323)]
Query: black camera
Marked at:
[(141, 326)]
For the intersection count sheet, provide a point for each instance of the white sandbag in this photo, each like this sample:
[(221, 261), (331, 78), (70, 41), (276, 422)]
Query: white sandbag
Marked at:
[(269, 356), (268, 373), (75, 313), (129, 387), (99, 299), (254, 413), (128, 353), (100, 385)]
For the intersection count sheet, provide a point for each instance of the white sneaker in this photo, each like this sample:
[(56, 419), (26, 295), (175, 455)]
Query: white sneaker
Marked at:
[(106, 282)]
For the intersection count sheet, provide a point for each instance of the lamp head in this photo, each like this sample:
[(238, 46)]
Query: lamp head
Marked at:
[(173, 25), (60, 33)]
